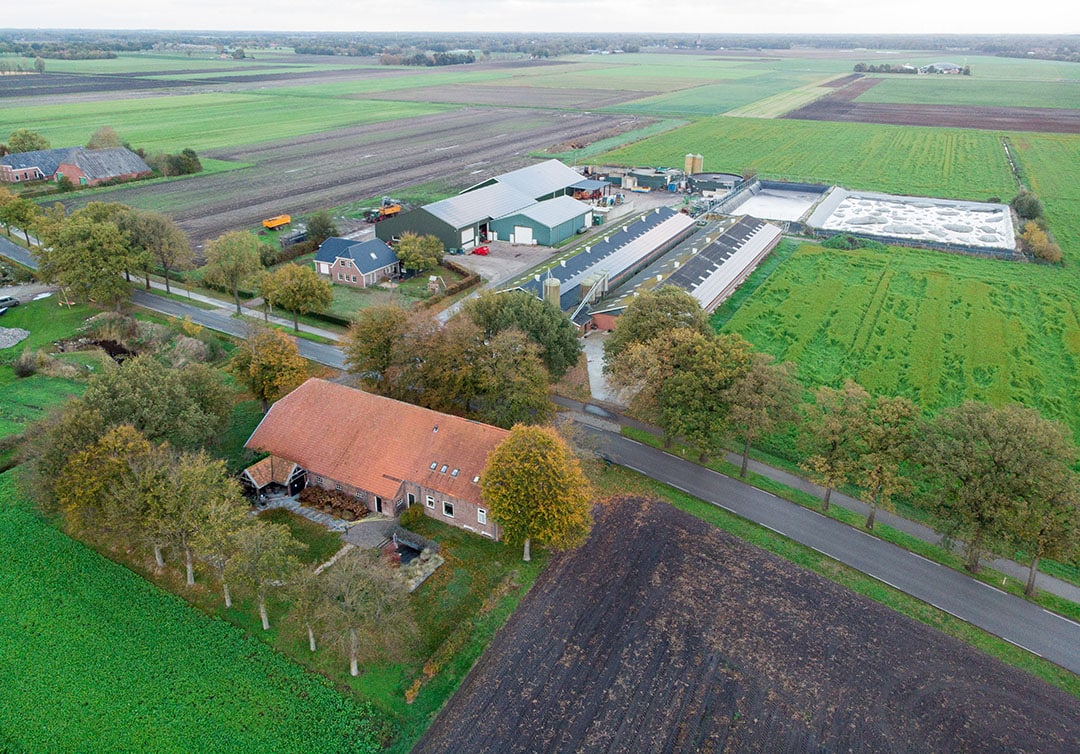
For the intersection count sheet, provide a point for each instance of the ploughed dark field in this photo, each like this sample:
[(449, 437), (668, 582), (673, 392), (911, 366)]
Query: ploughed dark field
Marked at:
[(664, 634)]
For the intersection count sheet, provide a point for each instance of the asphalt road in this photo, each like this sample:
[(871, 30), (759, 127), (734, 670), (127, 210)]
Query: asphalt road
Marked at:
[(18, 253), (1011, 618), (218, 320)]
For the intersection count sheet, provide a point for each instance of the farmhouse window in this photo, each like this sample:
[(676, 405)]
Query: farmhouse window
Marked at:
[(352, 278), (447, 509), (430, 502), (412, 498), (481, 516), (318, 480), (359, 495), (338, 487)]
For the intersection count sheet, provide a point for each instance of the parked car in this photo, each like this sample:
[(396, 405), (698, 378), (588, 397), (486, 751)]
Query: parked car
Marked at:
[(8, 301), (481, 251)]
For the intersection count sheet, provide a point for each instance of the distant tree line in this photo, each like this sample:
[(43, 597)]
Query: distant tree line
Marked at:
[(427, 59)]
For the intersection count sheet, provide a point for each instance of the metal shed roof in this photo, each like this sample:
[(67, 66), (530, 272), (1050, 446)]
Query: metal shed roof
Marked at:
[(555, 211), (540, 179), (463, 210)]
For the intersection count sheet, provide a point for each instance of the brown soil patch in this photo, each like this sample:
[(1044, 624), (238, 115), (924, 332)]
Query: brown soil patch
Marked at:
[(664, 634), (852, 91), (839, 108), (843, 80)]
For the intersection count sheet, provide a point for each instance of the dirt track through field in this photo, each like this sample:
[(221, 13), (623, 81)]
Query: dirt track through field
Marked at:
[(299, 175), (664, 634)]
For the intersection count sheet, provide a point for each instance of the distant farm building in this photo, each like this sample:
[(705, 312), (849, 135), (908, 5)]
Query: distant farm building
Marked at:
[(81, 166), (384, 453), (357, 264), (531, 205), (709, 269)]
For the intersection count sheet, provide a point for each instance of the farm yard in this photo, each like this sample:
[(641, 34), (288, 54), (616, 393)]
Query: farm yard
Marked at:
[(665, 634)]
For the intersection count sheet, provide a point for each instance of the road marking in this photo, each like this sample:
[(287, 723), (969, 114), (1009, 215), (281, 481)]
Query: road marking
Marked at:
[(991, 588), (1018, 644), (774, 530), (950, 612), (1067, 620), (920, 557)]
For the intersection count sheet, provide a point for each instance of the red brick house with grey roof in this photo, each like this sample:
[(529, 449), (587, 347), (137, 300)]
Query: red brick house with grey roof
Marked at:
[(388, 454)]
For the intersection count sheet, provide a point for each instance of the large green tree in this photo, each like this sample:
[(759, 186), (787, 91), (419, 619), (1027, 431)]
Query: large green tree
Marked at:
[(231, 259), (884, 446), (829, 435), (265, 560), (545, 325), (103, 138), (298, 289), (268, 364), (25, 140), (18, 212), (370, 341), (185, 406), (320, 226), (159, 239), (760, 399), (88, 257), (678, 380), (367, 608), (419, 252), (652, 313), (995, 473), (535, 489)]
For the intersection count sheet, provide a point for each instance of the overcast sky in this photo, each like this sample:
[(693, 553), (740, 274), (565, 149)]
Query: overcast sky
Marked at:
[(705, 16)]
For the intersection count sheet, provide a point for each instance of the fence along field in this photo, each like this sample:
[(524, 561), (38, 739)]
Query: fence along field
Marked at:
[(96, 659)]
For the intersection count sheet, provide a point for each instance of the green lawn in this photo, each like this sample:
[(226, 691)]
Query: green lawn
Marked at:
[(95, 659), (321, 543), (971, 90), (903, 160)]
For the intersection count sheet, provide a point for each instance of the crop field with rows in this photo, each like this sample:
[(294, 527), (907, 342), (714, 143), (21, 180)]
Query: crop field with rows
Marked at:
[(950, 163), (936, 328)]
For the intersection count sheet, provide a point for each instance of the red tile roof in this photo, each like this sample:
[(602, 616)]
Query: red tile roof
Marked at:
[(375, 443), (270, 469)]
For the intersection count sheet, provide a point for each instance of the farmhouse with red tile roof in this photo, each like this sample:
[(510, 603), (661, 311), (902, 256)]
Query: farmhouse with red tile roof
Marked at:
[(386, 453)]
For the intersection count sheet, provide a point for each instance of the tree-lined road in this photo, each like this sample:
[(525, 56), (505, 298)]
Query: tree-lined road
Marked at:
[(1011, 618)]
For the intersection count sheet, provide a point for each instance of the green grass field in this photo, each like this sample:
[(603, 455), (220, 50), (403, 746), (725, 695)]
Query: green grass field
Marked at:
[(204, 121), (95, 659), (968, 90), (918, 161), (936, 328)]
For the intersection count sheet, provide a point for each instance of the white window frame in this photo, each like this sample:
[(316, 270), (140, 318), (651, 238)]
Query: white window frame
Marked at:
[(445, 505), (481, 516), (430, 502)]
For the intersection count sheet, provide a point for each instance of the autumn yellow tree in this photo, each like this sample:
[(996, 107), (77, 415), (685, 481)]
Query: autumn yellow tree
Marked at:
[(535, 489), (298, 290), (830, 432), (761, 398), (268, 365)]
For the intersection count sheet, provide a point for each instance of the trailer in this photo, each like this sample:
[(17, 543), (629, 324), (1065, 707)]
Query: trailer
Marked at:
[(381, 213), (276, 223)]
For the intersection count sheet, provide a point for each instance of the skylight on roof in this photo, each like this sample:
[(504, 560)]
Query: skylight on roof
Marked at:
[(454, 472), (434, 465), (443, 469), (475, 479)]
